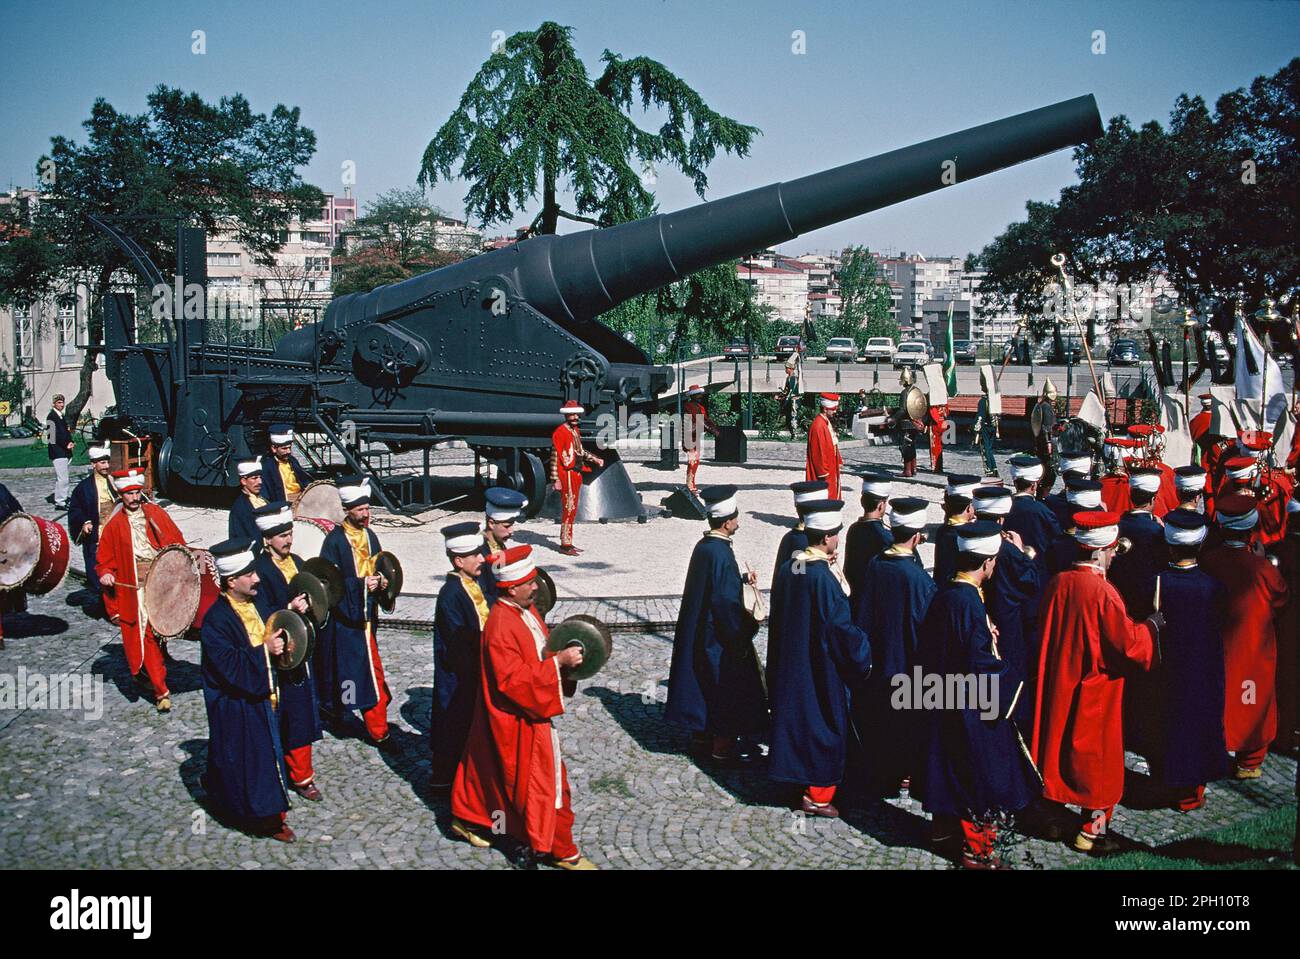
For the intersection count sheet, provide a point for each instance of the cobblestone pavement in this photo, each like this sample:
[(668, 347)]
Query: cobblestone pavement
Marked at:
[(122, 790)]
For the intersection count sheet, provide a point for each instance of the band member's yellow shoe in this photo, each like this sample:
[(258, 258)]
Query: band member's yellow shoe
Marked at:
[(1243, 773), (579, 863), (165, 704), (466, 832)]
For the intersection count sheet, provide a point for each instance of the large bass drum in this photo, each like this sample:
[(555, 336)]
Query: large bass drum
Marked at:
[(173, 592), (34, 554), (320, 500), (309, 534)]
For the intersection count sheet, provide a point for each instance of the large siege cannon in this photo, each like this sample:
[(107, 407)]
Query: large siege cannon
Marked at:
[(486, 349)]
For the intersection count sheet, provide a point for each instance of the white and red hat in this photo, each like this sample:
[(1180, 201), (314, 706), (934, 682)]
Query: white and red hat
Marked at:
[(695, 390), (1241, 469), (513, 566), (572, 406), (1236, 511), (128, 479), (1096, 529), (829, 400), (1256, 441)]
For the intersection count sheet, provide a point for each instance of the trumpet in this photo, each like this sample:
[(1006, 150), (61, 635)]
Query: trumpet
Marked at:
[(1123, 545)]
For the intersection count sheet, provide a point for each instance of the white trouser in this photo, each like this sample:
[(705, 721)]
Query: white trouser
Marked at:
[(61, 479)]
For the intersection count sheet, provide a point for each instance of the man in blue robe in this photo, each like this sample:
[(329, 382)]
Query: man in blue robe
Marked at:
[(868, 537), (1029, 518), (458, 621), (1081, 495), (241, 523), (1190, 746), (349, 671), (1189, 484), (89, 506), (1133, 572), (299, 711), (502, 510), (1012, 595), (1078, 466), (890, 600), (282, 476), (974, 768), (715, 683), (957, 511), (795, 539), (245, 772), (822, 657)]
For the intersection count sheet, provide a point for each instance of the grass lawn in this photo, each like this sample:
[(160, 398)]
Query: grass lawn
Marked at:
[(27, 455), (1260, 843)]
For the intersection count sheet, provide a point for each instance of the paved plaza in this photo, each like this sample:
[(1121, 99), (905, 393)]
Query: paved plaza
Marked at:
[(111, 784)]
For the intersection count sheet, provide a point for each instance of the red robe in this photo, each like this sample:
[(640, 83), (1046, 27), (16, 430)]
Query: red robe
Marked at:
[(1256, 593), (1087, 644), (1271, 505), (116, 555), (511, 763), (824, 460), (1199, 425), (1167, 498), (1115, 493)]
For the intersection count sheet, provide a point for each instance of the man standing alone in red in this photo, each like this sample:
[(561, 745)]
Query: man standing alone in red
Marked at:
[(568, 462), (695, 422), (824, 460)]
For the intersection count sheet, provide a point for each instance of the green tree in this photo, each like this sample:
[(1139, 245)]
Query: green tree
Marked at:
[(394, 241), (212, 165), (531, 116), (865, 298)]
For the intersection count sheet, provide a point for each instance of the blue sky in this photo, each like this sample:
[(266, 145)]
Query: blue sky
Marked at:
[(375, 80)]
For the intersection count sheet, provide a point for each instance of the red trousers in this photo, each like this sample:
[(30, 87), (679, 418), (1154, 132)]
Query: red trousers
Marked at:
[(820, 795), (298, 762), (692, 464), (1251, 759), (376, 717), (151, 661), (1096, 821), (570, 486), (1193, 798), (977, 839), (563, 847)]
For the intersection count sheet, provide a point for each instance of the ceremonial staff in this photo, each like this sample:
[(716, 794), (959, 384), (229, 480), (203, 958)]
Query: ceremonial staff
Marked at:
[(1058, 261)]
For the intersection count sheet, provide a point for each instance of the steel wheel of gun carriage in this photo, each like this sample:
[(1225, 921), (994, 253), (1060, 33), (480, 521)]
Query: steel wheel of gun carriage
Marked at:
[(486, 350)]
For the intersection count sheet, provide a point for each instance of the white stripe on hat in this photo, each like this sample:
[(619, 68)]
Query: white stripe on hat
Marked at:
[(1030, 474), (350, 494), (133, 480), (913, 520), (230, 565), (881, 489), (1186, 484), (1179, 536), (514, 571), (1244, 472), (98, 453), (811, 496), (1097, 537), (1090, 498), (980, 545), (1076, 464), (274, 519), (248, 468), (1244, 521), (469, 543), (1144, 482), (280, 439), (724, 507), (822, 520), (994, 505)]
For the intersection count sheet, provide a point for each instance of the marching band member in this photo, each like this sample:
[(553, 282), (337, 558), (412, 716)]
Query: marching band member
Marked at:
[(241, 524), (1152, 438), (868, 537), (1256, 593), (568, 462), (245, 774), (459, 617), (957, 511), (128, 542), (89, 507), (1189, 482), (1114, 484), (1087, 644), (1078, 465), (823, 459), (282, 476), (349, 672), (972, 770), (823, 655), (695, 422), (890, 600), (1190, 750), (1134, 572), (299, 710), (502, 508), (1082, 495), (1270, 487), (512, 762), (1029, 517), (805, 493), (715, 686)]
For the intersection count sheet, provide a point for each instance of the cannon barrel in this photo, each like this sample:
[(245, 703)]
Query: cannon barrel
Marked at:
[(575, 277)]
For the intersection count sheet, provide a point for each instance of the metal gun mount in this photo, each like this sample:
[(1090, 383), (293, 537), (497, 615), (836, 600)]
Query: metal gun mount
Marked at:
[(486, 349)]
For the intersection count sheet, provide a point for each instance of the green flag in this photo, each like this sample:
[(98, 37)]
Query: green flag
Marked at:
[(950, 361)]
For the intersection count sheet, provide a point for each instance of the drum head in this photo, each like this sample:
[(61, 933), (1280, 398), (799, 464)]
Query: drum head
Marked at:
[(20, 548), (317, 593), (545, 598), (172, 591), (309, 535), (328, 574), (297, 638), (388, 566), (590, 634), (321, 501)]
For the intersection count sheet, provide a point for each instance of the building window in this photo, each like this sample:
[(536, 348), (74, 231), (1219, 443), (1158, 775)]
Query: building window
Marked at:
[(223, 259), (24, 340), (67, 333)]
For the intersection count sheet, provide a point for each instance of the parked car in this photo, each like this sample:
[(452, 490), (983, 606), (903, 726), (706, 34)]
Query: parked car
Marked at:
[(913, 353), (736, 350), (1124, 353), (841, 349), (785, 346), (967, 352), (879, 348)]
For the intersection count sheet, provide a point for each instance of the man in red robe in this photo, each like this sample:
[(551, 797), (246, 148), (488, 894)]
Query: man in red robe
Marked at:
[(695, 422), (1114, 485), (1087, 645), (938, 421), (1199, 425), (1271, 490), (1256, 594), (1152, 437), (568, 462), (511, 777), (824, 460), (135, 532)]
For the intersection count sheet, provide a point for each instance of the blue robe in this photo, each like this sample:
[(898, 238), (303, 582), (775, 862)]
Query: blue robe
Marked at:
[(1134, 573), (457, 666), (1036, 524), (299, 709), (715, 683), (1012, 595), (9, 505), (83, 505), (242, 523), (822, 656), (1062, 509), (945, 554), (889, 604), (272, 487), (972, 767), (246, 774), (864, 541), (792, 542), (1191, 749), (343, 653)]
